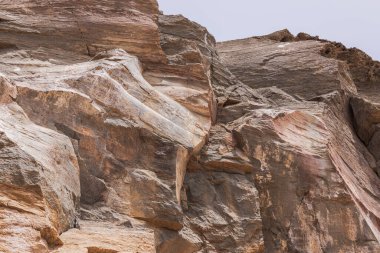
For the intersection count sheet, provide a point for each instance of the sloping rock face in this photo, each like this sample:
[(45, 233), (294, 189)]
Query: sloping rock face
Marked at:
[(306, 146), (125, 130), (39, 181), (82, 27), (259, 62)]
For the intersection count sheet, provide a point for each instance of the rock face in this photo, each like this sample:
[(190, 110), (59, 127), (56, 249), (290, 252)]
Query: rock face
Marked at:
[(82, 27), (259, 62), (313, 166), (39, 183), (125, 130)]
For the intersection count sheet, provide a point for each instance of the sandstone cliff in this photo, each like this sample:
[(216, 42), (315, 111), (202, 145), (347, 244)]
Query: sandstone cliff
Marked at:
[(125, 130)]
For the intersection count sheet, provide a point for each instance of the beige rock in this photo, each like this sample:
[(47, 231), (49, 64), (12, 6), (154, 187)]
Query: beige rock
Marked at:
[(115, 119), (224, 209), (171, 142), (39, 183), (301, 158), (183, 241), (120, 124), (102, 237), (306, 150), (222, 153), (147, 195), (186, 78)]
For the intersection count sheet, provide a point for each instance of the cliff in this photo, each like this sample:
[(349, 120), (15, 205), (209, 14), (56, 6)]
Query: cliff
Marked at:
[(126, 130)]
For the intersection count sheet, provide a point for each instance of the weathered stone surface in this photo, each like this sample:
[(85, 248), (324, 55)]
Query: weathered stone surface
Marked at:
[(186, 78), (183, 241), (366, 116), (222, 153), (125, 130), (364, 71), (306, 150), (147, 195), (224, 209), (259, 62), (39, 183), (367, 121), (117, 122), (301, 158), (122, 128), (84, 27), (218, 224), (99, 237)]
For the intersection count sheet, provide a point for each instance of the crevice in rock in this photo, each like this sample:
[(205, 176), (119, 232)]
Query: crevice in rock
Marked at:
[(231, 102), (3, 20), (82, 37), (7, 46), (67, 131)]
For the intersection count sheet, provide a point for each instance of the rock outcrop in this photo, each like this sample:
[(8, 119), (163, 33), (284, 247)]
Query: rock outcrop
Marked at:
[(126, 130), (307, 147), (39, 181)]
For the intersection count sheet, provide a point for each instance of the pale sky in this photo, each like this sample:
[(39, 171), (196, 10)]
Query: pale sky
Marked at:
[(355, 23)]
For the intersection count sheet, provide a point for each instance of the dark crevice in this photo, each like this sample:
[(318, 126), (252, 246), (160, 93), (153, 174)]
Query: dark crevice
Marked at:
[(67, 131), (3, 20), (231, 102), (351, 118), (88, 50), (353, 124), (7, 46)]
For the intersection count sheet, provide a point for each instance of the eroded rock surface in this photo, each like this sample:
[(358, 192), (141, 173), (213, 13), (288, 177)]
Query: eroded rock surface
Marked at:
[(259, 62), (306, 149), (39, 183), (107, 237), (125, 130), (82, 27)]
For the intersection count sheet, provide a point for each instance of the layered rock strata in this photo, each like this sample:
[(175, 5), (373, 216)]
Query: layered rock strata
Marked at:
[(125, 130)]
